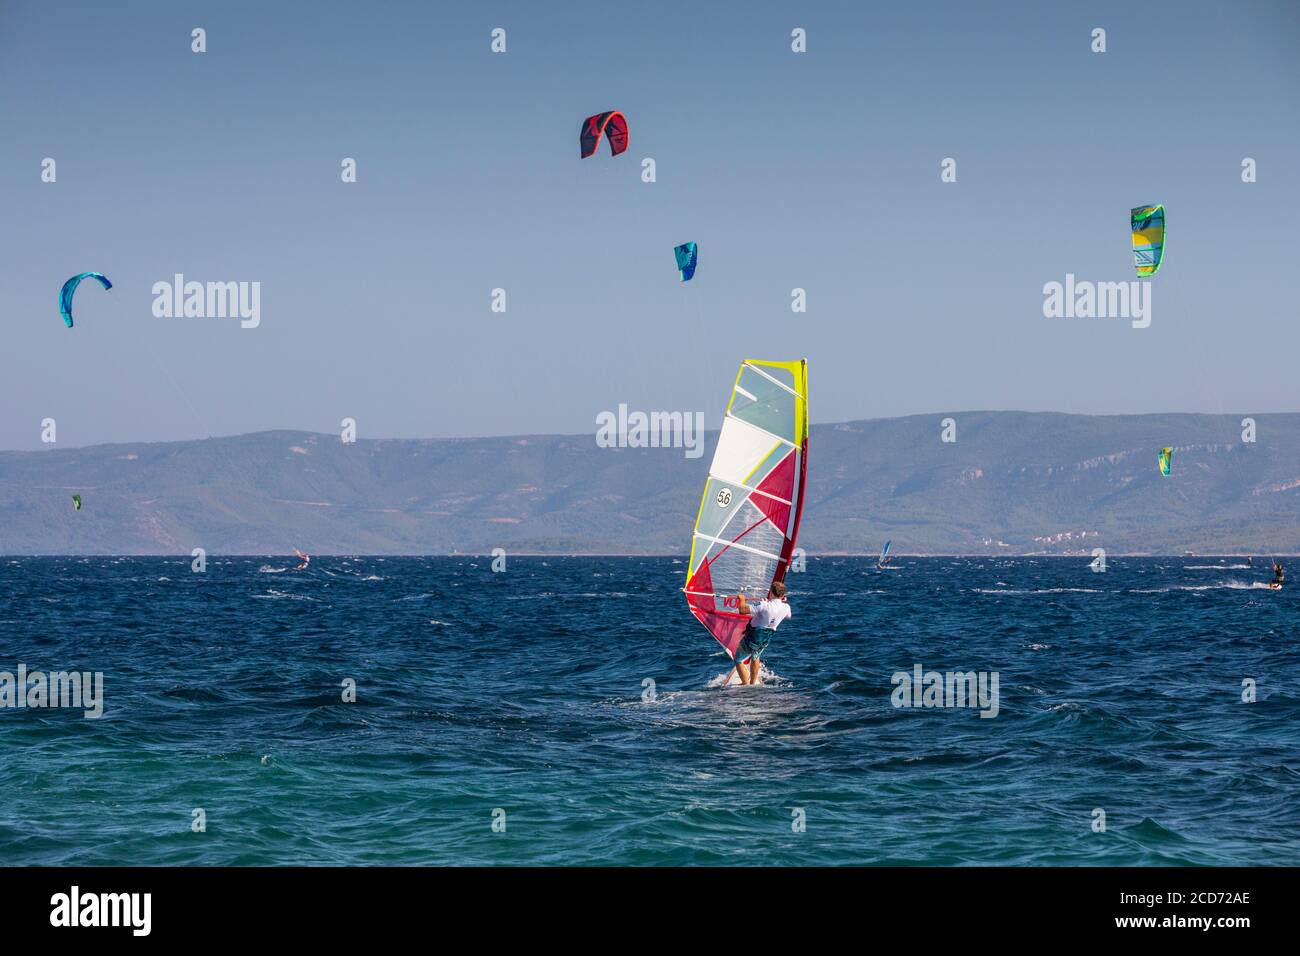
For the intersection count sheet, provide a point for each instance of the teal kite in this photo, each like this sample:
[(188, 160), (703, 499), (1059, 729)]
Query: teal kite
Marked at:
[(70, 287), (688, 254)]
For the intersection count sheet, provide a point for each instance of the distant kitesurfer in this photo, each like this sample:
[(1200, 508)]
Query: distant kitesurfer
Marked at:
[(763, 620), (1278, 575), (306, 560)]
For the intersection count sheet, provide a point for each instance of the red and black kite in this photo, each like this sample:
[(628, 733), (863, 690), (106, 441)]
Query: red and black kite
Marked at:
[(613, 124)]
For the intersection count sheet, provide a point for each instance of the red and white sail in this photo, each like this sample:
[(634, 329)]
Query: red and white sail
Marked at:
[(749, 516)]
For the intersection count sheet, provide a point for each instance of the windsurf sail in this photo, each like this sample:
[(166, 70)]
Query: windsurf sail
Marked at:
[(1147, 224), (749, 516), (884, 554)]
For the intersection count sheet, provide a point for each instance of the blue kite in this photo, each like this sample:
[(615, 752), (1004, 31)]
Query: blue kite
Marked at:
[(688, 255), (70, 287)]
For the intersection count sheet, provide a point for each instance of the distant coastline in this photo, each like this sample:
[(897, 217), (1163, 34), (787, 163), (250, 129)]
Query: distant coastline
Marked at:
[(1024, 484)]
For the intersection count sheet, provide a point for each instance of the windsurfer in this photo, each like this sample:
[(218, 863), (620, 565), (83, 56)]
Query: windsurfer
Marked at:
[(763, 620), (305, 558)]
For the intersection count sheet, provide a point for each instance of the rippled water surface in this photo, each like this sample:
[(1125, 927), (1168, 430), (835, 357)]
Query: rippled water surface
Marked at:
[(525, 697)]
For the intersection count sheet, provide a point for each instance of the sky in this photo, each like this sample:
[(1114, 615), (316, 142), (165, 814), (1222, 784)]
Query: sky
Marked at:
[(816, 170)]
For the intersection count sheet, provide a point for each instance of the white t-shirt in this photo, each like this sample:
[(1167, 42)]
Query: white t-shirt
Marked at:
[(768, 614)]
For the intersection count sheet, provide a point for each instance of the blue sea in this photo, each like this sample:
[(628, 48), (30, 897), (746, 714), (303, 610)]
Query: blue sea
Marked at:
[(567, 711)]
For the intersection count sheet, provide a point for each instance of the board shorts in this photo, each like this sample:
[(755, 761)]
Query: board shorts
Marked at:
[(753, 643)]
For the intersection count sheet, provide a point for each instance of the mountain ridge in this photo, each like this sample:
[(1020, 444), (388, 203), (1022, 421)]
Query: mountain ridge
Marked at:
[(1012, 483)]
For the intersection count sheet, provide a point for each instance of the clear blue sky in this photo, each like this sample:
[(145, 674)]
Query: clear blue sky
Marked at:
[(818, 170)]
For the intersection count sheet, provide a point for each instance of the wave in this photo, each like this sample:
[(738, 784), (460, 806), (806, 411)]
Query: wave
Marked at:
[(282, 596), (1038, 591), (575, 594), (765, 677), (1229, 585)]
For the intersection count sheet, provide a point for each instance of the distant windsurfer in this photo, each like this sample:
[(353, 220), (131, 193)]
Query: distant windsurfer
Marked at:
[(305, 558), (1278, 576), (763, 620)]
